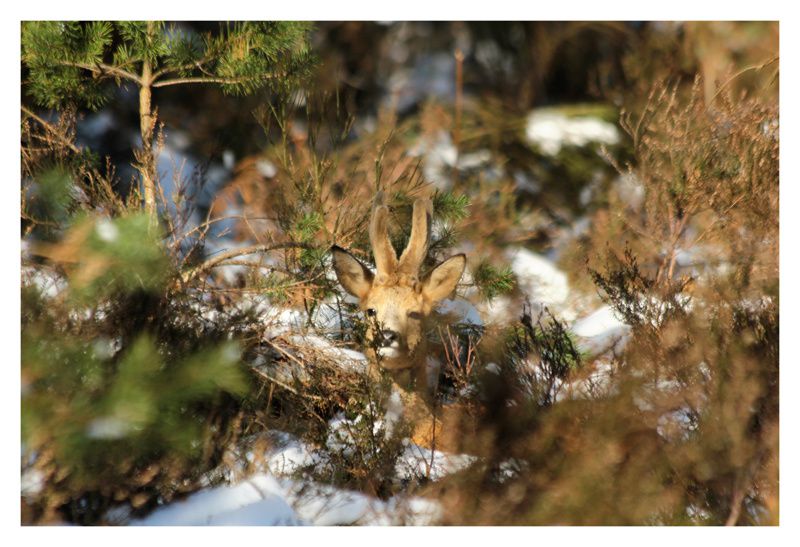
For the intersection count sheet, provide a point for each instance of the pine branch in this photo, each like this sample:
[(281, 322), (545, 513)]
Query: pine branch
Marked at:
[(172, 69), (104, 69), (204, 80)]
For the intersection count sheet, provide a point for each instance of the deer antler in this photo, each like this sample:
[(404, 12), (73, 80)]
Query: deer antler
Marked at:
[(385, 256), (417, 248)]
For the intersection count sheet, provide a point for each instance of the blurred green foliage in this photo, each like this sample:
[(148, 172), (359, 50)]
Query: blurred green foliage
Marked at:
[(85, 403), (106, 256), (107, 393), (51, 197)]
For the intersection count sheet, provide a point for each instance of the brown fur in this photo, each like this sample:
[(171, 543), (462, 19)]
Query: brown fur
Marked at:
[(396, 296), (398, 301)]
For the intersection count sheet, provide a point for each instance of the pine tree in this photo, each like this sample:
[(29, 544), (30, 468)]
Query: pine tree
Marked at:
[(73, 63)]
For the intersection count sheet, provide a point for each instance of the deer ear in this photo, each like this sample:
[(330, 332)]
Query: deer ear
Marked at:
[(442, 280), (352, 274)]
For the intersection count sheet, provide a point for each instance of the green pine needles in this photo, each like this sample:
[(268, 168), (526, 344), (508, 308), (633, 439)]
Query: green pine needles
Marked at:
[(69, 62), (493, 281)]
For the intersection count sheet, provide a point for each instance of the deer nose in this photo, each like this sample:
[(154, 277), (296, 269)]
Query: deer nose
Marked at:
[(389, 337)]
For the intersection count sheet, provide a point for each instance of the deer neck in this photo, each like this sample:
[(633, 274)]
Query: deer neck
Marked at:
[(408, 372)]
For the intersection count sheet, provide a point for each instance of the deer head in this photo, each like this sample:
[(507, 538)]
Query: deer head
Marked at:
[(396, 298)]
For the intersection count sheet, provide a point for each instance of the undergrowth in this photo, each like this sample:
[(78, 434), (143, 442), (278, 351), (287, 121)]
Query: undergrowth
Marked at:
[(153, 360)]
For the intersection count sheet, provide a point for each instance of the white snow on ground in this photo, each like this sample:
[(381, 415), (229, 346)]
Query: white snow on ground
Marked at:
[(326, 318), (31, 483), (539, 278), (272, 498), (664, 309), (257, 501), (266, 168), (676, 424), (551, 131), (418, 461), (415, 462), (322, 505), (106, 230), (288, 454), (499, 310), (599, 383), (282, 320), (108, 427), (601, 331), (49, 283), (394, 412), (431, 75), (461, 311), (349, 359), (438, 154)]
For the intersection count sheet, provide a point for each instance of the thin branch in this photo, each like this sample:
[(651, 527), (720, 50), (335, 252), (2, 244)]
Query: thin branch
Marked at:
[(738, 74), (210, 221), (284, 385), (233, 253), (49, 127), (172, 69), (736, 507), (103, 69), (204, 80)]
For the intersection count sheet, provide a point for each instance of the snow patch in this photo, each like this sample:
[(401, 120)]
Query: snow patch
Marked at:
[(323, 505), (499, 311), (600, 331), (288, 454), (540, 279), (600, 383), (551, 131), (49, 283), (416, 462), (263, 500), (349, 359), (31, 483), (258, 501), (460, 311)]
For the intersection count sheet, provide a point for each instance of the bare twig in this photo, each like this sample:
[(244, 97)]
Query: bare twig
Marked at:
[(757, 68), (284, 385), (459, 55), (234, 253), (52, 130), (736, 507), (207, 223)]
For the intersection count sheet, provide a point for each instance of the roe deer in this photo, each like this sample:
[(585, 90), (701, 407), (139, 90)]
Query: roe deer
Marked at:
[(396, 298)]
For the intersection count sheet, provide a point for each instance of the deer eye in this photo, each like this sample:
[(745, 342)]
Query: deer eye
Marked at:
[(415, 315), (371, 312)]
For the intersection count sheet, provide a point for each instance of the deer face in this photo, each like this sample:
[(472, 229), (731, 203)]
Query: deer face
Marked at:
[(396, 300)]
